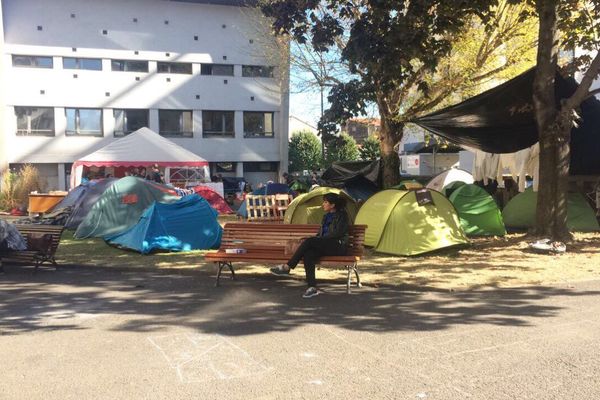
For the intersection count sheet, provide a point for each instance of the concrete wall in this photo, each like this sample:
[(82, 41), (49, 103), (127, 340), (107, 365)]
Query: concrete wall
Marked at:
[(158, 31)]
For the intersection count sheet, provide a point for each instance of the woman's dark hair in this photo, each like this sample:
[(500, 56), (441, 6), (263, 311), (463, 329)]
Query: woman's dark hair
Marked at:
[(338, 201)]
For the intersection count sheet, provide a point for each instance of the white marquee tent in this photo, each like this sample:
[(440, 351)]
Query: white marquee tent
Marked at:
[(142, 148)]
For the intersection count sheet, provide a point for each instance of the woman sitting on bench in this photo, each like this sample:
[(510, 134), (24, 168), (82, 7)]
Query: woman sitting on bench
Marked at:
[(332, 240)]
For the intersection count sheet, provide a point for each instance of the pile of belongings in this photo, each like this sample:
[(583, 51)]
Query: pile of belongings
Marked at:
[(10, 238), (547, 246)]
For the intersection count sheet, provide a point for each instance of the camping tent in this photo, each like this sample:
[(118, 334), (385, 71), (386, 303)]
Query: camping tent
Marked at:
[(72, 197), (187, 224), (214, 199), (398, 225), (479, 215), (121, 206), (442, 179), (142, 148), (501, 120), (306, 208), (519, 212), (269, 188), (92, 191)]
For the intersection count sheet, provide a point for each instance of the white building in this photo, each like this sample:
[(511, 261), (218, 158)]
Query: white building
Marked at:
[(79, 74)]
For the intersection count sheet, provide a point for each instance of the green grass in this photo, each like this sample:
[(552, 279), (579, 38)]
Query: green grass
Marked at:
[(95, 252)]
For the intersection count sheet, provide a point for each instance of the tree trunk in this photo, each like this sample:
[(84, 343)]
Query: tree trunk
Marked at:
[(554, 129), (391, 134)]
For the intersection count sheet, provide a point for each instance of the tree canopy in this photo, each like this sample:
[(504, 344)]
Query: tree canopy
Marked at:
[(304, 151)]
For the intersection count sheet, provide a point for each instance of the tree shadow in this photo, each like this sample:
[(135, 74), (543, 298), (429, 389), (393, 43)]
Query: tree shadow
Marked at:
[(153, 301)]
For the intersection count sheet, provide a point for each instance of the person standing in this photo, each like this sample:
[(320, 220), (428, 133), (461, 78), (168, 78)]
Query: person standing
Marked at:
[(332, 240)]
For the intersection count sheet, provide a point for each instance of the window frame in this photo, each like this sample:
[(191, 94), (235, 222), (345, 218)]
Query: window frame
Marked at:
[(223, 132), (125, 63), (77, 131), (260, 135), (32, 57), (31, 132), (78, 65), (270, 71), (170, 64), (204, 67), (125, 132), (255, 166), (180, 134)]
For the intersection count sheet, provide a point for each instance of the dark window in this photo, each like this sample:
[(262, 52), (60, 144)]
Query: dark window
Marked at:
[(129, 65), (174, 68), (175, 123), (225, 167), (32, 61), (217, 123), (261, 166), (258, 124), (216, 69), (92, 64), (84, 121), (35, 121), (257, 71), (127, 121)]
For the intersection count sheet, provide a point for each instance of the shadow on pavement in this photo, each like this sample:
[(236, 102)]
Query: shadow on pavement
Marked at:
[(151, 301)]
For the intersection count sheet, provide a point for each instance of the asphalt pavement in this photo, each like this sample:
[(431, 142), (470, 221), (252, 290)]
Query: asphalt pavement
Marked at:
[(86, 333)]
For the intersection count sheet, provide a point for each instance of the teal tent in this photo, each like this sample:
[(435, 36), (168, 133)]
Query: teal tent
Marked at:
[(519, 212), (121, 206), (479, 215), (188, 224)]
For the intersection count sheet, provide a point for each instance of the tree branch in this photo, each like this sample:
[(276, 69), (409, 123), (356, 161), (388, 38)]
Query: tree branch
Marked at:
[(582, 90)]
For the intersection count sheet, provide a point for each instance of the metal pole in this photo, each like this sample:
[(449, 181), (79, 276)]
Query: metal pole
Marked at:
[(322, 139)]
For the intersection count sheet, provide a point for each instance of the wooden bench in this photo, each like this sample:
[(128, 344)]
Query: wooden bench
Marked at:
[(265, 244), (34, 257)]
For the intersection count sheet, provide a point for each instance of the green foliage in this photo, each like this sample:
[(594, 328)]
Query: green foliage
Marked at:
[(342, 148), (370, 149), (304, 151), (16, 187)]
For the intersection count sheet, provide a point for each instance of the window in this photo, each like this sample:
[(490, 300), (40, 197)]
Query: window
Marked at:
[(174, 68), (84, 121), (32, 61), (258, 124), (216, 69), (225, 167), (35, 121), (261, 166), (175, 123), (129, 65), (217, 123), (257, 71), (92, 64), (127, 121)]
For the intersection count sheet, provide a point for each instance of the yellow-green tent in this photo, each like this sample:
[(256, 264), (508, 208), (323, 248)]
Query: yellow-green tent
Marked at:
[(306, 208), (398, 225)]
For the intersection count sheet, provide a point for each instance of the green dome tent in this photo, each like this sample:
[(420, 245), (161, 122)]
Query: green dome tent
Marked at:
[(306, 208), (122, 205), (519, 212), (398, 225), (479, 215)]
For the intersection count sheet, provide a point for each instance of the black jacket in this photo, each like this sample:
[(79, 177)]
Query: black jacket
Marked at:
[(338, 229)]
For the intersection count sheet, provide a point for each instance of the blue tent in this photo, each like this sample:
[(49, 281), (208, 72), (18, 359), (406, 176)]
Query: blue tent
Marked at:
[(270, 188), (187, 224)]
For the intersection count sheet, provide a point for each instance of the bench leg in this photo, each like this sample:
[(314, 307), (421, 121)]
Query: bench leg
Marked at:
[(221, 265), (349, 268), (355, 268)]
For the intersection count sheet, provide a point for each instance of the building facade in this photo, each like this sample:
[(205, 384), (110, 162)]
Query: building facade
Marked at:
[(77, 75)]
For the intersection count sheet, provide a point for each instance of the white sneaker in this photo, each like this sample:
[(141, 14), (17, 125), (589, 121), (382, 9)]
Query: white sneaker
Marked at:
[(311, 292), (280, 270)]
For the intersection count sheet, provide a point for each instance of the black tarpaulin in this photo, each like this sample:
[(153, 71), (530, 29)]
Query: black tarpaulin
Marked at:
[(502, 120), (341, 172)]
